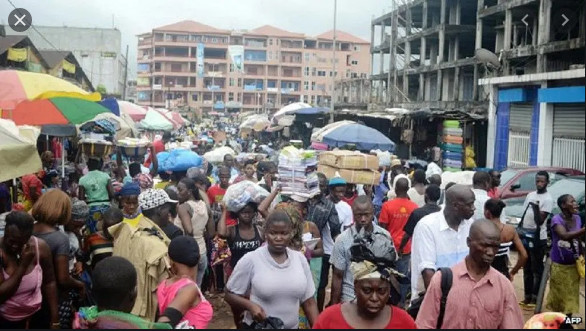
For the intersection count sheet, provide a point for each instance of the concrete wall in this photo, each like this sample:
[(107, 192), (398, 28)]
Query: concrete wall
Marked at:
[(88, 45)]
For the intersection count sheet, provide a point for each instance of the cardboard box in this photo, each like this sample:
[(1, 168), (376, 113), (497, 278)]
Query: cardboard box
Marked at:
[(352, 176), (349, 160)]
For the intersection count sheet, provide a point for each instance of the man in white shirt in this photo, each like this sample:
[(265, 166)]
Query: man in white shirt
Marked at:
[(538, 206), (480, 186), (439, 239)]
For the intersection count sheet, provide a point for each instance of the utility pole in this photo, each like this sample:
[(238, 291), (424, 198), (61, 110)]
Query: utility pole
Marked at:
[(125, 75), (334, 66)]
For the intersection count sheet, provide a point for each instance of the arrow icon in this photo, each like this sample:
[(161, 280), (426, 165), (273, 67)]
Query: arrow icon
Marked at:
[(524, 20), (566, 19)]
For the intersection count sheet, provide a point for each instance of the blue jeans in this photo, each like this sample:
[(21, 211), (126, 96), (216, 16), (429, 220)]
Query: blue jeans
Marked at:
[(201, 269), (403, 266)]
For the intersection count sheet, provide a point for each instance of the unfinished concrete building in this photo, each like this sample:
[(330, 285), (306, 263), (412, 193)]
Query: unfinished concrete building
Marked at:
[(536, 109), (426, 56)]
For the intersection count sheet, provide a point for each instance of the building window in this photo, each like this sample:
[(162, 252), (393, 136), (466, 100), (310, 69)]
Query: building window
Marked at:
[(354, 62), (214, 40), (232, 81), (231, 96), (231, 67), (306, 85), (357, 48), (307, 57), (306, 72), (321, 73), (313, 86), (313, 71), (194, 97), (270, 41)]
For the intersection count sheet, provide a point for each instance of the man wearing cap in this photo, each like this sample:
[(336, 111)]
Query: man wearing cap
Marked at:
[(145, 246)]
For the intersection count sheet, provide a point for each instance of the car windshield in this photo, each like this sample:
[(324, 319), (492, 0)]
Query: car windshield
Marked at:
[(506, 176)]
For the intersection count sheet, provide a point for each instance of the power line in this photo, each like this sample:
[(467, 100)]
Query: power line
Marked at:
[(34, 28)]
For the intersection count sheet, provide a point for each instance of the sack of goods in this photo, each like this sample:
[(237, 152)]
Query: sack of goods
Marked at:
[(133, 147), (95, 148), (354, 167), (217, 155), (179, 160), (297, 172), (240, 194)]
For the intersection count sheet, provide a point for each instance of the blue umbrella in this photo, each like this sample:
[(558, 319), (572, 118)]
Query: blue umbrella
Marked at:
[(112, 104), (363, 137)]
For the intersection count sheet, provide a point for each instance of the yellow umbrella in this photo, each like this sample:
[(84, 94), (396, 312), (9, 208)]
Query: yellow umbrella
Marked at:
[(17, 86)]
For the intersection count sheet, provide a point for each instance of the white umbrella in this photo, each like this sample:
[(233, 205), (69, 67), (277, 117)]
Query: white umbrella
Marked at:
[(290, 109), (256, 123), (18, 150)]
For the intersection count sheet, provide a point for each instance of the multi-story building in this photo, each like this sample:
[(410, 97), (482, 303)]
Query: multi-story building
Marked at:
[(280, 67), (426, 53), (536, 109), (519, 64), (97, 50)]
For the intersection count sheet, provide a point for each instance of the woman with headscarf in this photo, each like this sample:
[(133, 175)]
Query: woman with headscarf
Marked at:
[(373, 277), (272, 282)]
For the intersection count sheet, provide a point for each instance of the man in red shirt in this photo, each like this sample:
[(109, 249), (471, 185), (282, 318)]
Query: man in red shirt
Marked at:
[(393, 217), (216, 194), (159, 146)]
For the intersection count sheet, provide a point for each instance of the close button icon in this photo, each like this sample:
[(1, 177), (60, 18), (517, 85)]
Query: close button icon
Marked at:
[(20, 20)]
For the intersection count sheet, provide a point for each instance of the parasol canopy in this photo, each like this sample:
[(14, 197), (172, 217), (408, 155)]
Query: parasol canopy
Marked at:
[(362, 136), (18, 150), (17, 86), (290, 110), (59, 111), (256, 122), (176, 117), (156, 121), (136, 112)]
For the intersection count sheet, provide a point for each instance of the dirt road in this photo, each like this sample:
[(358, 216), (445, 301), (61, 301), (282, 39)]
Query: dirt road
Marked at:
[(223, 316)]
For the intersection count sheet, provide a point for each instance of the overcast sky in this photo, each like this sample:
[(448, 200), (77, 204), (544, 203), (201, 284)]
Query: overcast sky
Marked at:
[(133, 17)]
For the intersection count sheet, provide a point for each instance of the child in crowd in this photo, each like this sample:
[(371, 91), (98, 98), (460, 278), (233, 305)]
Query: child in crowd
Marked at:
[(100, 245)]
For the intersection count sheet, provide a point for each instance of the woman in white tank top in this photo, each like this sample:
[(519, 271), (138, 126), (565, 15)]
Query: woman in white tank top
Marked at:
[(194, 219)]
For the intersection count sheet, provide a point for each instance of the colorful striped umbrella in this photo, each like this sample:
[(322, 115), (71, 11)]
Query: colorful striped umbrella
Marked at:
[(17, 86), (61, 111)]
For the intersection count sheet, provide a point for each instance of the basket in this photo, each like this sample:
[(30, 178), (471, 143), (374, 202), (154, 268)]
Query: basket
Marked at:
[(96, 149), (133, 151)]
